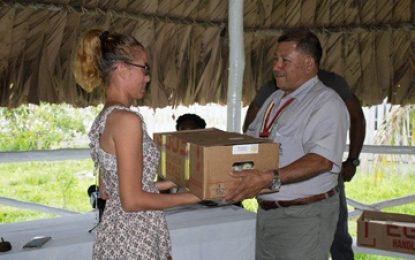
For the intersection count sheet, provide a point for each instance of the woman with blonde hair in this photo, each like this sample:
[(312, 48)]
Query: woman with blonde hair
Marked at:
[(133, 225)]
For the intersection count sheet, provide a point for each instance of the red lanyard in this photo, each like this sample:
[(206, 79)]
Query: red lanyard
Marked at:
[(267, 124)]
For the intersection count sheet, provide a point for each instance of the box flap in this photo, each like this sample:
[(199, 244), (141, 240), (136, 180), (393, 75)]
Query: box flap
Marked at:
[(214, 137), (384, 216)]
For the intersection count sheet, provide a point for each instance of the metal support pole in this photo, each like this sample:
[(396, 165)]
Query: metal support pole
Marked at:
[(236, 64)]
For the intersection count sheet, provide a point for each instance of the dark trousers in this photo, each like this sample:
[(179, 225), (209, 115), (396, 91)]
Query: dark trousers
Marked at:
[(341, 248)]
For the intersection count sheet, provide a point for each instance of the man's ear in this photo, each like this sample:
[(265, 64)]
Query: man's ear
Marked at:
[(310, 63)]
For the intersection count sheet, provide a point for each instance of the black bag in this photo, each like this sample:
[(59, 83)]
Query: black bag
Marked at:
[(95, 200)]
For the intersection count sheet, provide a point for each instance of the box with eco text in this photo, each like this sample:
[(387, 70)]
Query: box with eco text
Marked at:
[(201, 160), (387, 231)]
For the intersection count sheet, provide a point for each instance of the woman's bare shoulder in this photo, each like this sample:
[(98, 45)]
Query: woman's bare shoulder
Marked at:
[(124, 120)]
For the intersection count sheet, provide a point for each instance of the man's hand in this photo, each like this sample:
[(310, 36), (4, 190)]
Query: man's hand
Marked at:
[(247, 184), (348, 170)]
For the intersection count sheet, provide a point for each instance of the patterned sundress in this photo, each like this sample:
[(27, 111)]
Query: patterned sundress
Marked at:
[(122, 235)]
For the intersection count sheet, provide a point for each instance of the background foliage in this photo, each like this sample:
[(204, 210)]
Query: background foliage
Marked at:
[(47, 126)]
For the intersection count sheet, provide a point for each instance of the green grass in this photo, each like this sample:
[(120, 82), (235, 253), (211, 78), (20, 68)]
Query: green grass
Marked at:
[(60, 184), (12, 214)]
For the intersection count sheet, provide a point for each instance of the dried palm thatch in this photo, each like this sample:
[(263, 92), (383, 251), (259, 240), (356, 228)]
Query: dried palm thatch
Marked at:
[(371, 43)]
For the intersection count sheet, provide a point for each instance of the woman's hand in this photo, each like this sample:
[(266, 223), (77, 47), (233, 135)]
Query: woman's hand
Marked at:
[(165, 185)]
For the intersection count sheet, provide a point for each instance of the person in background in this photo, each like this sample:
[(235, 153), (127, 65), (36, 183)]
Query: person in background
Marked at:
[(190, 122), (297, 220), (133, 225), (341, 248)]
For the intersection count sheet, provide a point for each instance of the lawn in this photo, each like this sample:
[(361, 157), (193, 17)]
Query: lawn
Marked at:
[(61, 184)]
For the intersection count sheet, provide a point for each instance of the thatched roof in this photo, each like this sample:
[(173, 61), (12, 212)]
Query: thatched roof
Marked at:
[(370, 42)]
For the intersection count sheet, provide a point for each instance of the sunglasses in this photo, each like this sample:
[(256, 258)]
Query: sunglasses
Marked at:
[(145, 67)]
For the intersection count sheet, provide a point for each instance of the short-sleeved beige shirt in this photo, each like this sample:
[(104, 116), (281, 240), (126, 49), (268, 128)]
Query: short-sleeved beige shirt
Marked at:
[(317, 122)]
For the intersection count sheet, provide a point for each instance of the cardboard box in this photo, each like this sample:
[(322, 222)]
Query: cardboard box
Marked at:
[(201, 160), (387, 231)]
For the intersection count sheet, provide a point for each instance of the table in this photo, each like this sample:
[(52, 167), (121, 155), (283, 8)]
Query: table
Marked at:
[(197, 232)]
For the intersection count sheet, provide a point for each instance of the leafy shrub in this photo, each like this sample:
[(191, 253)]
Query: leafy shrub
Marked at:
[(47, 126)]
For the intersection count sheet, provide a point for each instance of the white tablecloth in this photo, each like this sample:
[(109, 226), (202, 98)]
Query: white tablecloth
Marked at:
[(197, 233)]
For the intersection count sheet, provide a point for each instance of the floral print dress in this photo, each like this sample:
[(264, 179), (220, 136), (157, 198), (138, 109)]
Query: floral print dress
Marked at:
[(123, 235)]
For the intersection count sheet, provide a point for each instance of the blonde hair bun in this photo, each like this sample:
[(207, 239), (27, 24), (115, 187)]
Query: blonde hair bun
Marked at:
[(85, 65)]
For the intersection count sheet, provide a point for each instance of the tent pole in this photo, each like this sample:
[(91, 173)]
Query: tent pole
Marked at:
[(236, 64)]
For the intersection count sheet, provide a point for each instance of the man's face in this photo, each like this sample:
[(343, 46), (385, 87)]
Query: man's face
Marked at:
[(290, 66)]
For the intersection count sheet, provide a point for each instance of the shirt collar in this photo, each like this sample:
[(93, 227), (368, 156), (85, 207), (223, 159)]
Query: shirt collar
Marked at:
[(302, 91)]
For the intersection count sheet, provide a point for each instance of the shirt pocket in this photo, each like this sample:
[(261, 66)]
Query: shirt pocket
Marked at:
[(291, 148)]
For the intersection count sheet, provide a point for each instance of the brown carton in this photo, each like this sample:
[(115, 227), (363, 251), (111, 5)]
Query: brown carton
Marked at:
[(201, 160), (387, 231)]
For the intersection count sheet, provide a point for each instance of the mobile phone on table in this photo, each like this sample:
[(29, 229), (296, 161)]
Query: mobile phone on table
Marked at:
[(37, 242)]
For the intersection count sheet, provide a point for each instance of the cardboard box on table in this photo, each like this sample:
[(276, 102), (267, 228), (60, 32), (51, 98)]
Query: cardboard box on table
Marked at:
[(201, 160), (387, 231)]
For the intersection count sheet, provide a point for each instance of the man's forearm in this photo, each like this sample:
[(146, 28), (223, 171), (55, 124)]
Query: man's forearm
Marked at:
[(308, 166), (357, 127), (357, 137)]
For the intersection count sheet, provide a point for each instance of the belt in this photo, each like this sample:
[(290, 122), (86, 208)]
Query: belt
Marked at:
[(273, 204)]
